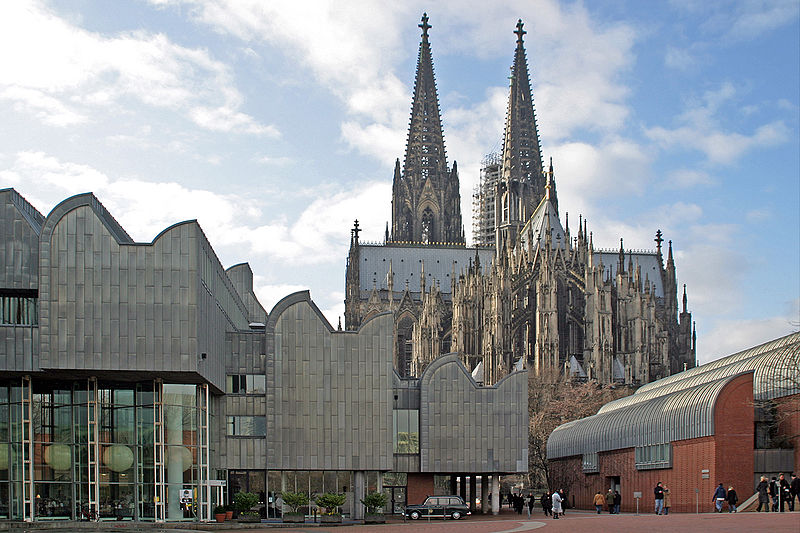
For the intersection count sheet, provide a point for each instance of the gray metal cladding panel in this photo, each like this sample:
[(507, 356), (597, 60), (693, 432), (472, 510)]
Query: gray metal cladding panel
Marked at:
[(19, 242), (100, 299), (19, 348), (467, 428), (329, 393), (407, 263)]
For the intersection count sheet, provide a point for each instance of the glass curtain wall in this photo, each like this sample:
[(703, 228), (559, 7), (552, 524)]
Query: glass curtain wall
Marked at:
[(126, 443)]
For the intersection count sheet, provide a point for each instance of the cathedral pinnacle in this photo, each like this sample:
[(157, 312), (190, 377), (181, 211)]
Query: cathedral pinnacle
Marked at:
[(425, 26), (520, 32)]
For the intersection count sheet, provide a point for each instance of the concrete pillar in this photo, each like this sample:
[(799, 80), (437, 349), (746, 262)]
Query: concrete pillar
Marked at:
[(359, 493), (453, 485), (472, 492), (495, 494), (484, 494), (173, 418), (462, 489), (284, 482)]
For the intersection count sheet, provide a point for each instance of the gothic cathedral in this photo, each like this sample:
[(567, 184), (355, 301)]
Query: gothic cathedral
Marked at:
[(527, 295)]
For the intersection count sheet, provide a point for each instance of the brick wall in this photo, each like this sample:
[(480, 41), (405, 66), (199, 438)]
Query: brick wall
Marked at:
[(419, 487), (728, 457)]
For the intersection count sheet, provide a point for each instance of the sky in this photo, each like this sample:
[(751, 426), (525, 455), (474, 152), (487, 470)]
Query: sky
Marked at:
[(276, 124)]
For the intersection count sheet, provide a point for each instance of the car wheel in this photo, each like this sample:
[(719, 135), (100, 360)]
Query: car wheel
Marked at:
[(456, 515), (413, 515)]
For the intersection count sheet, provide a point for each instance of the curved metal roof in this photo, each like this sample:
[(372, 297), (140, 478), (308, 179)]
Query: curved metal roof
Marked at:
[(788, 340), (776, 365), (684, 414)]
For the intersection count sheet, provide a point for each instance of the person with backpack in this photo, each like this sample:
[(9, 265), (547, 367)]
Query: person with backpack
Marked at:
[(719, 497)]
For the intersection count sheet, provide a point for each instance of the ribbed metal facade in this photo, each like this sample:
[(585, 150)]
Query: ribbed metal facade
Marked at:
[(681, 406)]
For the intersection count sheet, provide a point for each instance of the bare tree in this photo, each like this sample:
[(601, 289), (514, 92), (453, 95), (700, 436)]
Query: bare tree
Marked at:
[(553, 401)]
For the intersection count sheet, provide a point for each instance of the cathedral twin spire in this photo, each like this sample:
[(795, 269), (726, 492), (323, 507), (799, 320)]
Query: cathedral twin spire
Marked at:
[(425, 194)]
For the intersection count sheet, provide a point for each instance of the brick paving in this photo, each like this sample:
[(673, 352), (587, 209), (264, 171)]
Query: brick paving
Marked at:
[(575, 522)]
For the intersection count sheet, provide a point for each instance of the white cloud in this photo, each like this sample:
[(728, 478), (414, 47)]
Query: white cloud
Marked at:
[(63, 74), (700, 130), (684, 178), (270, 294), (727, 337)]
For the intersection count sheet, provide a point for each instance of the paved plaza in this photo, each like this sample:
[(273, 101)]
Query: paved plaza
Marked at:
[(581, 522)]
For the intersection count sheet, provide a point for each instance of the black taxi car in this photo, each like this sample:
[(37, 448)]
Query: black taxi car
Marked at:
[(438, 507)]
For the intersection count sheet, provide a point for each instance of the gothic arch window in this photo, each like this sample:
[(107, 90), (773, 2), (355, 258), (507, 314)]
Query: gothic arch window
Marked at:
[(426, 233), (403, 345)]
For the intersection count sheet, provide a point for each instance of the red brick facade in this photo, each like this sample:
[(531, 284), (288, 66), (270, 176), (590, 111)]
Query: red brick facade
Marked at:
[(727, 455), (419, 487)]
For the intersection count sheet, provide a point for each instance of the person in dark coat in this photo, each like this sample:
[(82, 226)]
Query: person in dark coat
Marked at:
[(617, 501), (774, 491), (785, 493), (610, 501), (658, 496), (732, 500), (547, 504), (530, 504), (794, 489), (719, 497), (763, 494)]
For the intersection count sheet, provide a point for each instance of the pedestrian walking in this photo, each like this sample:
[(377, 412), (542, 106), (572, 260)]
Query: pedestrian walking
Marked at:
[(610, 501), (667, 499), (617, 501), (794, 489), (547, 504), (774, 492), (763, 494), (599, 501), (785, 491), (530, 504), (732, 500), (557, 510), (719, 497), (658, 495)]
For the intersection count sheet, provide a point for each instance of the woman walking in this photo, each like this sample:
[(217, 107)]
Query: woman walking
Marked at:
[(556, 504)]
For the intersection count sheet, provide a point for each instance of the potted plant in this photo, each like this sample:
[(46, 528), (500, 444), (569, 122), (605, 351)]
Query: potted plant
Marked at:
[(295, 500), (374, 502), (243, 503), (331, 501), (228, 511), (219, 513)]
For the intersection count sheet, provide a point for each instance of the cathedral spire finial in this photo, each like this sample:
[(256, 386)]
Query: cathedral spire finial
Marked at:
[(520, 32), (425, 26)]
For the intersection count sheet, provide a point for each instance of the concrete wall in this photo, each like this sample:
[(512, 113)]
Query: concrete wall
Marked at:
[(467, 428), (329, 393)]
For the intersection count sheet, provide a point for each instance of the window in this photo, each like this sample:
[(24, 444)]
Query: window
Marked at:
[(591, 463), (246, 384), (653, 456), (406, 430), (247, 426), (19, 307)]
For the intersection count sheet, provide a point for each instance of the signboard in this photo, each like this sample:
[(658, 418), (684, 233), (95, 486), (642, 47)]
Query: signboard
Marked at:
[(637, 494), (216, 482)]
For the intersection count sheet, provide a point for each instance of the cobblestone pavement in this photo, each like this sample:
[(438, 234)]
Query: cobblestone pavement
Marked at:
[(580, 522)]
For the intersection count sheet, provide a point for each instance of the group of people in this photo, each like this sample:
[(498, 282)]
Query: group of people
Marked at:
[(722, 496), (551, 503), (611, 500), (663, 498), (779, 491)]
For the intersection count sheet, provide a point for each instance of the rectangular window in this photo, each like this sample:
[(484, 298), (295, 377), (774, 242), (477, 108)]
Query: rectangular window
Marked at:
[(406, 430), (246, 384), (591, 463), (19, 307), (247, 426), (654, 456)]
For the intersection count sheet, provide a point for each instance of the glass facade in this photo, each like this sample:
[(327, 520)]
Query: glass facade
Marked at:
[(112, 456), (406, 430)]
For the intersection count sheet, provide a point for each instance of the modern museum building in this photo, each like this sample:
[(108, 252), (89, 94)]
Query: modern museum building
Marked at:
[(144, 381)]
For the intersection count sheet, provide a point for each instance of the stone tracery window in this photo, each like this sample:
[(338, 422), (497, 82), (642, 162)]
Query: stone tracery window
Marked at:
[(426, 235)]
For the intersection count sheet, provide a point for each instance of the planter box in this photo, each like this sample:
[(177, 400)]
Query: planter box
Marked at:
[(330, 519), (294, 518), (375, 519), (249, 518)]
